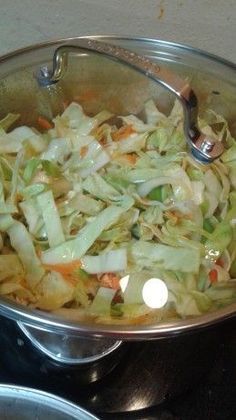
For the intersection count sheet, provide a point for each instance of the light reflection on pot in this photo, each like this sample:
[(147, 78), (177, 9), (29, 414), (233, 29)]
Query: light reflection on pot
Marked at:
[(154, 292)]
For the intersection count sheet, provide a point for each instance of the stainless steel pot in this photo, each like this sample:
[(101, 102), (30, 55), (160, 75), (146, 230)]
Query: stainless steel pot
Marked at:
[(213, 80), (19, 403)]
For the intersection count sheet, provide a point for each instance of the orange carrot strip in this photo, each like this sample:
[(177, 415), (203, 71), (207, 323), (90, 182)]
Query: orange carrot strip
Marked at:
[(83, 151), (64, 269), (44, 123), (123, 133), (131, 158), (213, 276)]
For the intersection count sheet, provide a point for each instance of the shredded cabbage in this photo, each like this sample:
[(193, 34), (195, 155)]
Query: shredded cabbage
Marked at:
[(94, 207)]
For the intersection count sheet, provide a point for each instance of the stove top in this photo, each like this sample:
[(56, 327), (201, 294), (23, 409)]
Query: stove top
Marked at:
[(186, 377)]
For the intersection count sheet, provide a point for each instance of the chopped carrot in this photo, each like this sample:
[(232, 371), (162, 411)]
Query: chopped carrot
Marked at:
[(131, 158), (64, 269), (172, 216), (83, 151), (123, 133), (44, 123), (220, 262), (110, 280), (213, 276)]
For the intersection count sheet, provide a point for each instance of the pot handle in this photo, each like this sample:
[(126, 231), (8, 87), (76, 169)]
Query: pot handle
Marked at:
[(68, 349), (203, 147)]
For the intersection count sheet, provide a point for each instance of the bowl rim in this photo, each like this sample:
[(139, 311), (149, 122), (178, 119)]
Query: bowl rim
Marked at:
[(48, 322)]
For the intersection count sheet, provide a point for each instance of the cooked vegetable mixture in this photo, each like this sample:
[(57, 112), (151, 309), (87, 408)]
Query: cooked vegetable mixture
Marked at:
[(92, 208)]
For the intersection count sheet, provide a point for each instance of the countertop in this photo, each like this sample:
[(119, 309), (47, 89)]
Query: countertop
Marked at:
[(205, 24)]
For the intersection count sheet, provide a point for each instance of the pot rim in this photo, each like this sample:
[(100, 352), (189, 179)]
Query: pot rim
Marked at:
[(48, 322), (51, 323), (113, 37)]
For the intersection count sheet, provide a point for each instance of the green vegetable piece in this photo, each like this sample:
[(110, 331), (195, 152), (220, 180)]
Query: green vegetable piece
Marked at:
[(30, 169), (116, 310), (156, 194), (135, 231), (50, 168), (221, 238), (202, 280), (82, 274), (208, 226), (233, 269)]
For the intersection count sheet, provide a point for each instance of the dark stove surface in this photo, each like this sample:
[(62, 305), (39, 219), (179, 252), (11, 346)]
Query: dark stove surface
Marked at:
[(191, 377)]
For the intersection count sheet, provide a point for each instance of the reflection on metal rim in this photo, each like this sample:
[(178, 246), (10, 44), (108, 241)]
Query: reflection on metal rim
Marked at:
[(110, 38), (20, 402), (48, 322)]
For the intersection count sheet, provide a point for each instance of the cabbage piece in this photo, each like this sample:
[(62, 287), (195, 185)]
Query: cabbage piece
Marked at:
[(13, 142), (51, 218), (111, 261), (85, 204), (219, 241), (6, 221), (76, 248), (57, 151), (229, 155), (153, 215), (133, 143), (95, 157), (210, 204), (138, 124), (141, 175), (10, 266), (7, 208), (147, 254), (21, 241), (153, 115), (232, 173), (145, 188), (77, 119), (222, 172), (136, 310), (24, 133), (181, 185), (101, 304), (97, 186), (186, 305), (54, 291), (16, 180), (176, 177), (212, 183), (198, 191), (33, 215), (222, 293), (4, 207), (33, 190), (9, 144), (30, 169), (135, 283)]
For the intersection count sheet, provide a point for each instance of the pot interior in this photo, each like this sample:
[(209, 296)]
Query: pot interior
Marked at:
[(99, 83)]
